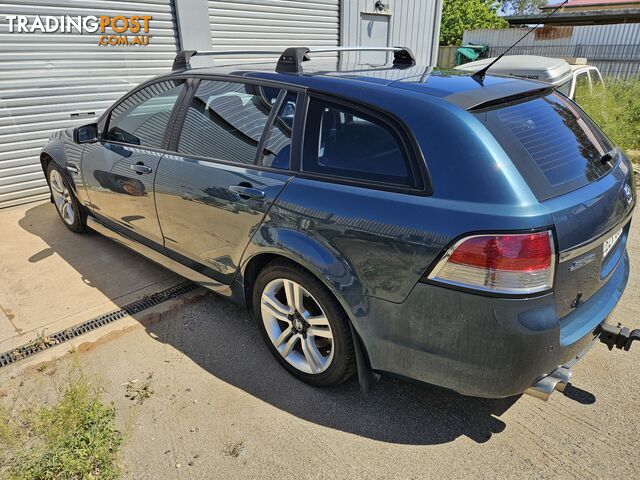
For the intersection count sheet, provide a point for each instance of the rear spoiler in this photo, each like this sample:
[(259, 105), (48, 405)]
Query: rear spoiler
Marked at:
[(485, 97)]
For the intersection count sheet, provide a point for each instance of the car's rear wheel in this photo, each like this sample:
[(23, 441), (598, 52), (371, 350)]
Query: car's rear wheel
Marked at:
[(64, 200), (303, 325)]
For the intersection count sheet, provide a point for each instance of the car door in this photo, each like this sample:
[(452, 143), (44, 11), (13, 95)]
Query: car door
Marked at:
[(229, 160), (119, 170)]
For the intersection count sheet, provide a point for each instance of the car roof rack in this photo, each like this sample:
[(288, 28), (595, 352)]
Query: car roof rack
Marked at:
[(290, 61), (181, 62)]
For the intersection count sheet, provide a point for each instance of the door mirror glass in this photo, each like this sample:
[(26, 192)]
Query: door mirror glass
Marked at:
[(86, 133)]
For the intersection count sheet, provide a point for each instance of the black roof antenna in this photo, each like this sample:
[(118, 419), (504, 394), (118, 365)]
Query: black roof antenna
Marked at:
[(479, 75)]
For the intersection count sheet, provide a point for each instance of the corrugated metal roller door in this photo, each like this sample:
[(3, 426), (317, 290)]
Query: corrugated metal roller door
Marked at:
[(47, 79), (274, 24)]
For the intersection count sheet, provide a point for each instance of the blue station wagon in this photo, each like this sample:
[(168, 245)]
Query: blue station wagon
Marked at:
[(468, 232)]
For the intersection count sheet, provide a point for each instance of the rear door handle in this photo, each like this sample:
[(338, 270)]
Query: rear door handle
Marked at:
[(140, 168), (247, 192)]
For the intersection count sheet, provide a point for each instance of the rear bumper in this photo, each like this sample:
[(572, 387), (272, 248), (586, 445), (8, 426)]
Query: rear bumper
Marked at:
[(478, 345)]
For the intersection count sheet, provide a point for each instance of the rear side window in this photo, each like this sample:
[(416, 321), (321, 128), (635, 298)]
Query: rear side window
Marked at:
[(277, 146), (225, 121), (141, 118), (350, 144), (556, 147)]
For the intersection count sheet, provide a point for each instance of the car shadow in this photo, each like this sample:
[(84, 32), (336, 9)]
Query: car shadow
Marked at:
[(110, 268), (223, 339)]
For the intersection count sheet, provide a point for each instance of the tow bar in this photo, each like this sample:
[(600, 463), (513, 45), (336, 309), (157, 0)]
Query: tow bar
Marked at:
[(612, 336), (618, 336)]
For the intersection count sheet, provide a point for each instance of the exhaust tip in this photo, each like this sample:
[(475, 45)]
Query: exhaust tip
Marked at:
[(557, 380)]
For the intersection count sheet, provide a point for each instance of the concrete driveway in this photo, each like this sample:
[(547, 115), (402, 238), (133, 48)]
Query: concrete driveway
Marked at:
[(223, 408), (51, 278)]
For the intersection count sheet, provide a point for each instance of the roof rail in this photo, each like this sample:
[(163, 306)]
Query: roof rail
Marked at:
[(181, 62), (291, 59)]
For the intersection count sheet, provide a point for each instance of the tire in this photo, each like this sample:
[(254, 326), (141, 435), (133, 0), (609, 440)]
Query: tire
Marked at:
[(70, 211), (281, 280)]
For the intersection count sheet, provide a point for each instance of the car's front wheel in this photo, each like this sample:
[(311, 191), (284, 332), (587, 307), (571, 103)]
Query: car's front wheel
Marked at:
[(303, 325), (65, 201)]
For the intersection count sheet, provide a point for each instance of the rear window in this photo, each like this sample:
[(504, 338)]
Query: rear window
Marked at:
[(556, 147)]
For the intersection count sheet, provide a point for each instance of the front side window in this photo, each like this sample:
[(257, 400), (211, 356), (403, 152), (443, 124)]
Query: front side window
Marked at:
[(225, 121), (350, 144), (142, 118)]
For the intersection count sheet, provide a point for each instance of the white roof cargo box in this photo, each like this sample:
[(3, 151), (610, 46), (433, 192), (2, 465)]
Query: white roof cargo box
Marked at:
[(555, 71)]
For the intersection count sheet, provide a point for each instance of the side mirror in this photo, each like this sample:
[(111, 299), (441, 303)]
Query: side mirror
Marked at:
[(86, 133)]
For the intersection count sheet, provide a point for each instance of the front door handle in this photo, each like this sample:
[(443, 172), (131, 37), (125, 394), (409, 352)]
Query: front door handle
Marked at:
[(247, 193), (141, 168)]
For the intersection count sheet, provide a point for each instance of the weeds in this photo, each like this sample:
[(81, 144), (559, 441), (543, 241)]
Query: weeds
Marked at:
[(139, 393), (234, 449), (41, 342), (76, 438), (616, 109)]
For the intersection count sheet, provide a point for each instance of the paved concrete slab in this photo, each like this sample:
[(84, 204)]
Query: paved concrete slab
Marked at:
[(51, 278)]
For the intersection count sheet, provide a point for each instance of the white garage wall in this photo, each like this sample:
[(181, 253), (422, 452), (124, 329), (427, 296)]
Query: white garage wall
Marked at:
[(273, 24), (46, 79), (412, 23)]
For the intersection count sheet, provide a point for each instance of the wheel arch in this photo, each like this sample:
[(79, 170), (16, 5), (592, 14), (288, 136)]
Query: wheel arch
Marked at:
[(52, 152), (257, 262), (320, 260)]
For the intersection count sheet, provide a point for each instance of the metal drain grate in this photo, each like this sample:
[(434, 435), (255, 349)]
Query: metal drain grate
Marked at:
[(44, 342)]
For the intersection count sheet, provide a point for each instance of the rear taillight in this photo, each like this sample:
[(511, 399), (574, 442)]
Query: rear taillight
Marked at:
[(510, 264)]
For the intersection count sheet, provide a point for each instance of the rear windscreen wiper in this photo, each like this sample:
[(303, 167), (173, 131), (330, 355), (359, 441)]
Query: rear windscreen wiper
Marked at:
[(609, 156)]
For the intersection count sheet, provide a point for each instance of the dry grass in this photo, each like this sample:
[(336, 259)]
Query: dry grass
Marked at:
[(75, 438), (616, 109)]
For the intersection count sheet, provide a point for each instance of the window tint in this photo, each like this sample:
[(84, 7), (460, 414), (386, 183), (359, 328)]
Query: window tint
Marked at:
[(225, 121), (350, 144), (552, 142), (141, 119), (277, 149)]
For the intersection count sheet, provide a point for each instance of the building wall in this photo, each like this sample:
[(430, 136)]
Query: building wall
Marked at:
[(273, 25), (411, 23), (617, 34), (52, 81), (614, 49)]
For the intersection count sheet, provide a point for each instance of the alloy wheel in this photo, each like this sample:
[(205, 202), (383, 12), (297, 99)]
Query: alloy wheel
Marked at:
[(297, 326), (61, 197)]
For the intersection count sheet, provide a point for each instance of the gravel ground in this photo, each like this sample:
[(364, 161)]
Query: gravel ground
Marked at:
[(223, 408)]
